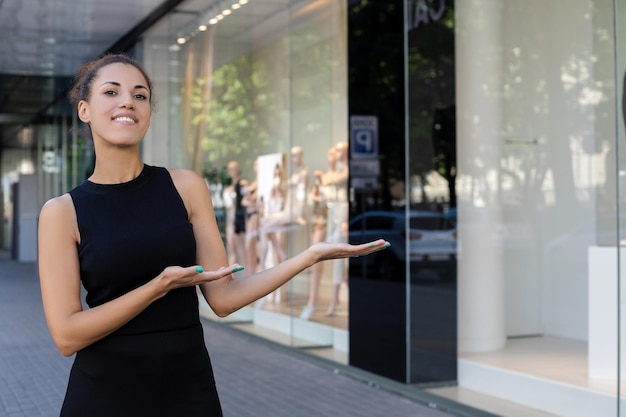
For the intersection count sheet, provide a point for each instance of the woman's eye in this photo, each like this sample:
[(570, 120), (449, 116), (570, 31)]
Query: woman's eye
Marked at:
[(110, 92), (140, 97)]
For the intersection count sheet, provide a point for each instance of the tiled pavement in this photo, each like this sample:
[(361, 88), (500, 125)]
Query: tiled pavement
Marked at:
[(254, 377)]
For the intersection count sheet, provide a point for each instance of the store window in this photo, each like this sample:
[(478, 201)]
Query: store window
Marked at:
[(497, 163), (255, 95), (538, 199)]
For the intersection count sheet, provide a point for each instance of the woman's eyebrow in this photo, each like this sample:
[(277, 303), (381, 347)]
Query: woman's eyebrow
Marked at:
[(112, 82), (115, 83)]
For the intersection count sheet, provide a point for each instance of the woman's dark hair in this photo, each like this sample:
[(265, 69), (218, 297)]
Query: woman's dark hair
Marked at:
[(81, 90)]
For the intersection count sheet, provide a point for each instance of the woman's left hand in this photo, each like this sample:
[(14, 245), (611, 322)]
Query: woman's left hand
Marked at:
[(324, 251)]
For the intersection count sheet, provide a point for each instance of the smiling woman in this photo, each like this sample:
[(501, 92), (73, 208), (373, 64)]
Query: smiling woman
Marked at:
[(128, 102), (140, 239)]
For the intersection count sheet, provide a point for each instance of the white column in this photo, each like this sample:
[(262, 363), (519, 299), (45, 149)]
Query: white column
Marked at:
[(481, 295)]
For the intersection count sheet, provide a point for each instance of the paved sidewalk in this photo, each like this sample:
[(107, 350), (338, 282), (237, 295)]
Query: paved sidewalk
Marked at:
[(254, 377)]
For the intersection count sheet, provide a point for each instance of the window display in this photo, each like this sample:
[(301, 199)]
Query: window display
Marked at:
[(329, 200), (272, 218), (255, 103)]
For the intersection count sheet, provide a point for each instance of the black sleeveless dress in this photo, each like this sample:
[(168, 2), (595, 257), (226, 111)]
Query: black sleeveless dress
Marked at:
[(157, 364)]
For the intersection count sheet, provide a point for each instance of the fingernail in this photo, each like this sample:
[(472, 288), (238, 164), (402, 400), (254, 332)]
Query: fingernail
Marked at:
[(238, 269), (372, 245), (199, 269), (386, 246)]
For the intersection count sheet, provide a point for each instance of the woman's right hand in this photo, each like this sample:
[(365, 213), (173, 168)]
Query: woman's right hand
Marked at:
[(323, 251), (174, 277)]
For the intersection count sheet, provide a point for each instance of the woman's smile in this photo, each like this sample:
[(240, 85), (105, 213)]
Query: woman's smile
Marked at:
[(125, 119)]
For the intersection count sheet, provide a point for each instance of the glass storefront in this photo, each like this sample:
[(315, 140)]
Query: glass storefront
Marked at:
[(483, 138), (484, 142), (538, 197), (255, 95)]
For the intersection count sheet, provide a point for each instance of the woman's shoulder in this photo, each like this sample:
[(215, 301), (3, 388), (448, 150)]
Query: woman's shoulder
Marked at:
[(58, 208), (184, 173), (188, 182), (182, 176), (61, 202)]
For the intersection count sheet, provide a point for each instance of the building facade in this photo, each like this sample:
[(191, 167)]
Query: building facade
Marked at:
[(484, 139)]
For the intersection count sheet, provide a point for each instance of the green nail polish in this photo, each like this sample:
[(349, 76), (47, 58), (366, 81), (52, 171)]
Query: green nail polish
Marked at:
[(372, 245), (199, 269), (386, 246), (238, 269)]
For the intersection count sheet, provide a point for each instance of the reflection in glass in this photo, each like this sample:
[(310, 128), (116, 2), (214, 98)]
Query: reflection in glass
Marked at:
[(265, 88), (536, 187)]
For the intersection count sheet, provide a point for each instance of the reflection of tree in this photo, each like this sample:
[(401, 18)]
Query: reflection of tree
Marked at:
[(444, 146), (237, 115), (376, 87), (376, 80), (546, 83), (432, 117), (311, 56)]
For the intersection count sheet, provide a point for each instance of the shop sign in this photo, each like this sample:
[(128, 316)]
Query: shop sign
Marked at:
[(364, 137), (425, 11)]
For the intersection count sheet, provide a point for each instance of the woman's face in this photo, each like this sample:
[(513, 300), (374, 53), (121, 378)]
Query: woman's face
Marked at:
[(119, 109)]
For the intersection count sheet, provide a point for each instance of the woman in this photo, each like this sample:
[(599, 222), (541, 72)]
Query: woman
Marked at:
[(140, 239)]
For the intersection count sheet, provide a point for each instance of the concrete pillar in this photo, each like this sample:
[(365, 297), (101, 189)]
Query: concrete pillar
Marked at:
[(481, 295)]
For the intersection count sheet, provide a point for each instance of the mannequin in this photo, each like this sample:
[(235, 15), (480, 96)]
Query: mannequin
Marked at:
[(276, 207), (319, 227), (295, 200), (337, 186), (235, 214), (272, 236), (298, 185)]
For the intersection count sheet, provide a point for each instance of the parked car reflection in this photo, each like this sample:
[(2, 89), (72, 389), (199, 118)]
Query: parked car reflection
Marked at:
[(432, 240)]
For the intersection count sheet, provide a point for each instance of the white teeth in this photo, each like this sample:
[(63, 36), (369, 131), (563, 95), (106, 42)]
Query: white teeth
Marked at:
[(124, 119)]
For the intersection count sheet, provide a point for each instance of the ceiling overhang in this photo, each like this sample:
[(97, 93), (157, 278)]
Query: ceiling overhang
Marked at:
[(44, 42)]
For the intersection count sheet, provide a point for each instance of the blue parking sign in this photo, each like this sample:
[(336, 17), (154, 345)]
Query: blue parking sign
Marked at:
[(364, 137)]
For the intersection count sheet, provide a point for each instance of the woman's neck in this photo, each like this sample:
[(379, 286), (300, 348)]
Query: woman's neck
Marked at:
[(116, 171)]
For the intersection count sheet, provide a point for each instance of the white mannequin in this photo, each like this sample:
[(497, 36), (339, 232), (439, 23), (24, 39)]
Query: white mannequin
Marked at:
[(298, 185), (319, 228), (272, 233), (337, 186), (295, 202)]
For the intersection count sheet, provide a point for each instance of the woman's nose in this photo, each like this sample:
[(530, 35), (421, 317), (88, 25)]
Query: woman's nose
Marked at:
[(127, 101)]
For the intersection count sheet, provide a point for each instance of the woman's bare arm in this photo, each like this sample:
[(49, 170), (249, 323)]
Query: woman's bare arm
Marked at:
[(71, 327), (228, 295)]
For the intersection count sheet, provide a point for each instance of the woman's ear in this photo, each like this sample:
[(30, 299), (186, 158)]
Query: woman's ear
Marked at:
[(83, 111)]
